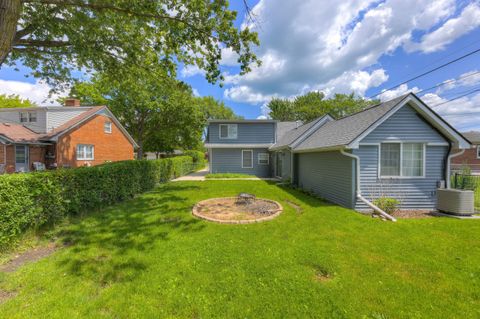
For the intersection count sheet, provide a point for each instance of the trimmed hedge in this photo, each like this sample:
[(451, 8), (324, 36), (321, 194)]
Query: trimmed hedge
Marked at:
[(29, 201)]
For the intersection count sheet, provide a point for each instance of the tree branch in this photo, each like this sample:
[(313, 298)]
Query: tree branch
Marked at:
[(37, 50), (41, 43), (27, 30)]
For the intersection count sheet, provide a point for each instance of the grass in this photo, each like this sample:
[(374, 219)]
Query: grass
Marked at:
[(228, 175), (150, 258)]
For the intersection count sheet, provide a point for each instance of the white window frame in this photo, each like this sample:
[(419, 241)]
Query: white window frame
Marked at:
[(107, 127), (229, 137), (401, 176), (251, 151), (21, 114), (267, 158), (478, 151), (84, 157), (30, 117)]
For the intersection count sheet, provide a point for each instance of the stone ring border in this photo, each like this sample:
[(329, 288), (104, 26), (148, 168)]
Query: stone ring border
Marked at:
[(241, 221)]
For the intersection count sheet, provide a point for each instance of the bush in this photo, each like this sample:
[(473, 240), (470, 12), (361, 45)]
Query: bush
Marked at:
[(387, 204), (35, 199), (198, 158)]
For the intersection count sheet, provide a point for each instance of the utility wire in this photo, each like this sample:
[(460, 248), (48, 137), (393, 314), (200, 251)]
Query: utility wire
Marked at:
[(448, 82), (428, 72), (457, 97)]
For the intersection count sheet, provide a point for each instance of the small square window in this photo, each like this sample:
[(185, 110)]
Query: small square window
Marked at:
[(32, 116), (107, 127), (85, 152), (23, 117)]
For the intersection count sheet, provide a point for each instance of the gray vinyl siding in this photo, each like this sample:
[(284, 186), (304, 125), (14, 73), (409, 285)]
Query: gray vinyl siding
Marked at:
[(327, 174), (413, 193), (14, 117), (229, 160), (59, 117), (247, 133), (405, 125)]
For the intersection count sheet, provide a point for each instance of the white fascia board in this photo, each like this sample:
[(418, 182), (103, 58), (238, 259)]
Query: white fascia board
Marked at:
[(320, 149), (208, 145)]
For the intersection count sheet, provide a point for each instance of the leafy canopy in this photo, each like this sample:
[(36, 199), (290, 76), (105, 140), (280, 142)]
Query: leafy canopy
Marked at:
[(14, 101), (312, 105), (55, 37)]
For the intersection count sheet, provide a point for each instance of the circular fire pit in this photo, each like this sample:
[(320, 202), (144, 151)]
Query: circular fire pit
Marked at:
[(234, 210)]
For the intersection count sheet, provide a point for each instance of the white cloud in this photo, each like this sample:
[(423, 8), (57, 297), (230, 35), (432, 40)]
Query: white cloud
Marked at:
[(452, 29), (401, 90), (328, 45), (191, 70), (37, 92), (195, 92), (229, 57), (463, 113)]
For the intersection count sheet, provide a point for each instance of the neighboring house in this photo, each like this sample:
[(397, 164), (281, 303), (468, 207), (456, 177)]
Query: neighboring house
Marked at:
[(469, 158), (68, 136), (396, 149)]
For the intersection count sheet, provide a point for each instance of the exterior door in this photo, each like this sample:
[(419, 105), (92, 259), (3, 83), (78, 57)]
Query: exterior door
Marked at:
[(21, 158), (279, 164)]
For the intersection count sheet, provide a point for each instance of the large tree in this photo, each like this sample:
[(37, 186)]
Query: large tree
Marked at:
[(54, 37), (216, 110), (312, 105), (14, 101)]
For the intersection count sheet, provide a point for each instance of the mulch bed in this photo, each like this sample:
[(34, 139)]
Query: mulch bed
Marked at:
[(413, 214), (28, 256), (229, 210)]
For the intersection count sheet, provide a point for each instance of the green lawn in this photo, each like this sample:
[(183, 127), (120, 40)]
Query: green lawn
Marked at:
[(150, 258)]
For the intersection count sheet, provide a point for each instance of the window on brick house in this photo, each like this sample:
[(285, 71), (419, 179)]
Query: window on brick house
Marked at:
[(107, 127), (85, 152)]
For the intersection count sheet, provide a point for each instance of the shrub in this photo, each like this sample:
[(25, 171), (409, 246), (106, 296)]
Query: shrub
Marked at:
[(35, 199), (387, 204), (198, 158)]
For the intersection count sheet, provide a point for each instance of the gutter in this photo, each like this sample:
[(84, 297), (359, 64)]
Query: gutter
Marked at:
[(449, 159), (358, 191)]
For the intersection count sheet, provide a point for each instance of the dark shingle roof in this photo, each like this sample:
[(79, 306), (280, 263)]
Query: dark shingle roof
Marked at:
[(344, 130), (294, 133), (472, 136)]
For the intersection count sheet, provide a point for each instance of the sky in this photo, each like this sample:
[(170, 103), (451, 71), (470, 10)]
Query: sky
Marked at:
[(358, 46)]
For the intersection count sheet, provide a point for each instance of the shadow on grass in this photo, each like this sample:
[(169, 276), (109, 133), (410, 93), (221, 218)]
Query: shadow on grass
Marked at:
[(107, 245)]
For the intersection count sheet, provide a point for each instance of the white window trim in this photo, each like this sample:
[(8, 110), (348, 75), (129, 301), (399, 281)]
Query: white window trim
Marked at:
[(478, 151), (228, 132), (109, 131), (85, 158), (380, 176), (29, 117), (258, 158), (251, 157)]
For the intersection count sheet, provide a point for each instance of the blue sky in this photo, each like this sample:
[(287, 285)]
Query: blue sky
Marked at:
[(359, 46)]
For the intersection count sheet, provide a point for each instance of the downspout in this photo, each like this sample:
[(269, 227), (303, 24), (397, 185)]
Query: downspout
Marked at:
[(449, 159), (358, 191)]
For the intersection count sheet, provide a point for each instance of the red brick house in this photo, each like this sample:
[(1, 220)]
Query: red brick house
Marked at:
[(470, 157), (68, 136)]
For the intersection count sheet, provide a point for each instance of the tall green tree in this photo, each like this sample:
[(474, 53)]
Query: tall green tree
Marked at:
[(14, 101), (54, 37), (216, 110), (312, 105)]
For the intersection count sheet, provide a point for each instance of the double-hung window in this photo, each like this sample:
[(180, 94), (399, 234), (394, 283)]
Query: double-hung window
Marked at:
[(228, 131), (28, 117), (478, 151), (32, 116), (85, 152), (247, 159), (263, 158), (23, 117), (107, 127), (402, 160)]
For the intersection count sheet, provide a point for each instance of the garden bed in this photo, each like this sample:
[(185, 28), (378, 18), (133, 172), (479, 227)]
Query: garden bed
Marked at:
[(232, 211)]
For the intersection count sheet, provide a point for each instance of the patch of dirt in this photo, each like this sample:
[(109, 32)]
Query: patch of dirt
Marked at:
[(295, 206), (229, 209), (5, 295), (322, 275), (29, 256), (413, 214)]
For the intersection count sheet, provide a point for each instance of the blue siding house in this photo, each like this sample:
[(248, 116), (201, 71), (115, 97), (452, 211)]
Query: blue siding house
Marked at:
[(400, 148)]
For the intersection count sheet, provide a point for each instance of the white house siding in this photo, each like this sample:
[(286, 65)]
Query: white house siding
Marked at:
[(13, 116), (58, 117)]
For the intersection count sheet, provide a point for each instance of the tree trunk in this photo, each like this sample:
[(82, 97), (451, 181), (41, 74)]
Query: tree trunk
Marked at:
[(9, 15)]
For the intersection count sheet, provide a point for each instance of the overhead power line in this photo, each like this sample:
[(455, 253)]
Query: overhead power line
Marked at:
[(457, 97), (448, 82), (428, 72)]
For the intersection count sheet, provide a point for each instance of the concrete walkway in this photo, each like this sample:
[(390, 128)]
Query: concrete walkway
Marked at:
[(200, 176)]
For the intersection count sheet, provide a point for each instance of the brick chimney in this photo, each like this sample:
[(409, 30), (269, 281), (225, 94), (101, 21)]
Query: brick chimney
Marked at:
[(72, 102)]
